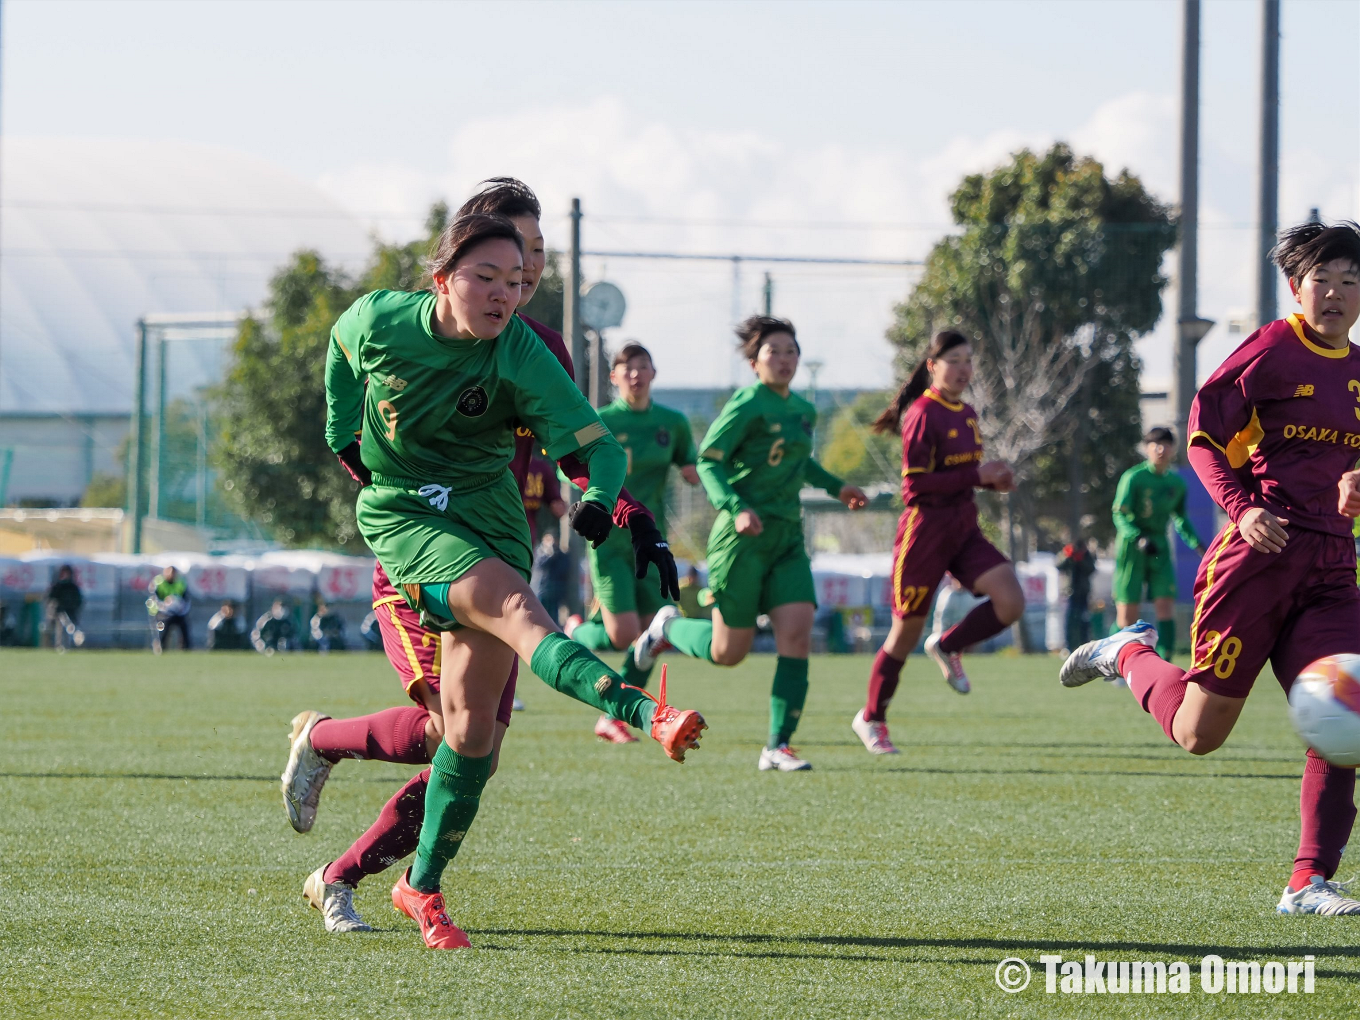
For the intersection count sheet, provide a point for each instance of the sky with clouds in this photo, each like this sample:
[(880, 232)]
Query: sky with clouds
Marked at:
[(818, 129)]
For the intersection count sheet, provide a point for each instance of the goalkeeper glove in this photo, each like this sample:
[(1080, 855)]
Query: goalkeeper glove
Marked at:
[(650, 546), (591, 521), (351, 462)]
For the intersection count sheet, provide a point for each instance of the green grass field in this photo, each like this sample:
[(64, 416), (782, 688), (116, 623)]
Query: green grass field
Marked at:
[(148, 868)]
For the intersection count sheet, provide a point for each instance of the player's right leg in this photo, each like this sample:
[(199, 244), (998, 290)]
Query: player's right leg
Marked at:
[(871, 722)]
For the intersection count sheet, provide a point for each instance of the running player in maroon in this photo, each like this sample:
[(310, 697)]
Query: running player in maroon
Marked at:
[(411, 734), (938, 532), (1274, 436)]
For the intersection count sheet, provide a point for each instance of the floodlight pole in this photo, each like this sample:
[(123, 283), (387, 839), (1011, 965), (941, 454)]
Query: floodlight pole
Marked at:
[(575, 340), (769, 296), (1190, 328), (1268, 196), (135, 491)]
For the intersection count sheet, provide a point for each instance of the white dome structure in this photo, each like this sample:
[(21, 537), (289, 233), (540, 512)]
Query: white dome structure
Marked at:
[(96, 233)]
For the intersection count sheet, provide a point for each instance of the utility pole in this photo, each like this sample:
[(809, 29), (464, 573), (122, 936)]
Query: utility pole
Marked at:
[(1268, 196), (1190, 328), (575, 335), (575, 341), (136, 496), (769, 295)]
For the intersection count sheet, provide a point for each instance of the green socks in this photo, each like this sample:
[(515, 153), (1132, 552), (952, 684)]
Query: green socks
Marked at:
[(565, 666), (451, 800), (593, 635), (1166, 639), (631, 674), (786, 698), (691, 637)]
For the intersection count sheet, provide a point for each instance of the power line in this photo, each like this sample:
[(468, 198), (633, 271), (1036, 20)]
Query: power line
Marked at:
[(696, 257)]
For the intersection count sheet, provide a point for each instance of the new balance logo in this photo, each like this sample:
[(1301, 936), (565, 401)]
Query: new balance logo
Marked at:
[(1304, 390), (392, 382)]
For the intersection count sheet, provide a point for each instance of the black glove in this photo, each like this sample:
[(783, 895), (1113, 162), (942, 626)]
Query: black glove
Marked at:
[(1147, 546), (649, 546), (351, 462), (591, 521)]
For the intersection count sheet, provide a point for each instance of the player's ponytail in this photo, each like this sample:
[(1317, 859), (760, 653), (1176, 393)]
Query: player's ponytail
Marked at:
[(891, 419)]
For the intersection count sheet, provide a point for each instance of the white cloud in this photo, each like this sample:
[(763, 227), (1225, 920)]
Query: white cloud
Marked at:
[(650, 186)]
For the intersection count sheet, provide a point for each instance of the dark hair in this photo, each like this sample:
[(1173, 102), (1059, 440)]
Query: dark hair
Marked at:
[(1303, 248), (753, 332), (502, 196), (1160, 434), (464, 234), (891, 419), (632, 349)]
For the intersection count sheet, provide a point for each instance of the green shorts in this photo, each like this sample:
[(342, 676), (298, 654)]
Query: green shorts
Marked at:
[(418, 543), (612, 575), (1136, 572), (750, 575)]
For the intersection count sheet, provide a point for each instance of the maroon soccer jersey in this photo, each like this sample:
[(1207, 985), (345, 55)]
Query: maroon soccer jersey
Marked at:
[(1276, 426), (941, 451)]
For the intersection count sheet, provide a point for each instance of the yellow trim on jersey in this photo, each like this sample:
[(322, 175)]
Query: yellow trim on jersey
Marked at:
[(589, 433), (930, 392), (348, 356), (391, 598), (902, 559), (1224, 537), (1296, 320), (1241, 446), (407, 647)]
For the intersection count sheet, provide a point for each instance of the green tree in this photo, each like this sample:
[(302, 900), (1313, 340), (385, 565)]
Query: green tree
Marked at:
[(854, 451), (1056, 270)]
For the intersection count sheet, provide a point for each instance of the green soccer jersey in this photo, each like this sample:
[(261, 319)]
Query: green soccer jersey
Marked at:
[(428, 409), (653, 439), (758, 454), (1146, 501)]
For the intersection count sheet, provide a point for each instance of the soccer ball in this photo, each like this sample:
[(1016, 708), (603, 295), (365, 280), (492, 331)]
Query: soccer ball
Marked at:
[(1324, 706)]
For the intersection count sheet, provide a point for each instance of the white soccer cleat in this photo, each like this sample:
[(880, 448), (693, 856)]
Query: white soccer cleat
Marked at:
[(614, 731), (573, 621), (516, 705), (874, 734), (336, 903), (1319, 897), (782, 759), (1100, 658), (653, 640), (950, 665), (305, 774)]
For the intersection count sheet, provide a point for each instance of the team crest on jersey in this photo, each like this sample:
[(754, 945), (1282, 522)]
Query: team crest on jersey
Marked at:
[(663, 437), (472, 402), (807, 427)]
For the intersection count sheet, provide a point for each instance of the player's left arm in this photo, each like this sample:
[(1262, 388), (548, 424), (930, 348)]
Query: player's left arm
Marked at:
[(1184, 527), (851, 495)]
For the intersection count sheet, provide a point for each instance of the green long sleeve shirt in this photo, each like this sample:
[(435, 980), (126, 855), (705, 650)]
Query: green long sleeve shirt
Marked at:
[(1146, 502)]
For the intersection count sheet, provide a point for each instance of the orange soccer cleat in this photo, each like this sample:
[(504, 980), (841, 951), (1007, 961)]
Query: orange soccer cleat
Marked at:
[(674, 729), (427, 910)]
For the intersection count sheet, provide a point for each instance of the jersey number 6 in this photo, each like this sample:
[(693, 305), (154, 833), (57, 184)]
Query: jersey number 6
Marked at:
[(776, 452)]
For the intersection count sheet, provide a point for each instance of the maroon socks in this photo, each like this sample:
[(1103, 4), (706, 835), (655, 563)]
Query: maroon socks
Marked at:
[(1158, 685), (393, 836), (980, 624), (395, 734), (1327, 812), (883, 679)]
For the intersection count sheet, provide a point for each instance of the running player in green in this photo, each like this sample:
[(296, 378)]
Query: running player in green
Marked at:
[(1150, 495), (754, 462), (433, 384), (654, 438)]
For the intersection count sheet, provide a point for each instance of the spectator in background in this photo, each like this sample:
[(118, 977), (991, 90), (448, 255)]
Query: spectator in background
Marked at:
[(274, 631), (328, 629), (9, 630), (169, 608), (371, 632), (539, 491), (1078, 562), (64, 600), (224, 630), (550, 575)]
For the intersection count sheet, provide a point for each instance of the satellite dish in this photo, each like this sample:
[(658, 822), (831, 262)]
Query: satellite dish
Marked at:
[(602, 306)]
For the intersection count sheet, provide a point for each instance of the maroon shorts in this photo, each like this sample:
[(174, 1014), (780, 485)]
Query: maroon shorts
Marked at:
[(413, 650), (930, 541), (1290, 608)]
